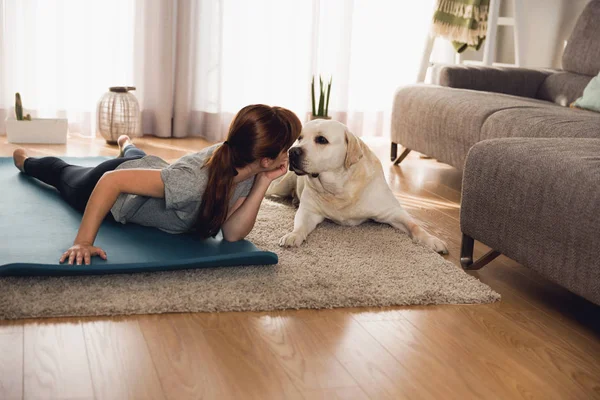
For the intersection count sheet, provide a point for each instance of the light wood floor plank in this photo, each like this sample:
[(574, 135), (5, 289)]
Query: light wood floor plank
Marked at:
[(303, 355), (469, 369), (184, 361), (379, 374), (11, 363), (11, 326), (55, 362), (352, 393), (120, 363), (565, 363), (251, 369), (535, 354), (214, 363)]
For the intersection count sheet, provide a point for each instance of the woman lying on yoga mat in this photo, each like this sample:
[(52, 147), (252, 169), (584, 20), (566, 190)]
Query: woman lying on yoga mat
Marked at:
[(220, 187)]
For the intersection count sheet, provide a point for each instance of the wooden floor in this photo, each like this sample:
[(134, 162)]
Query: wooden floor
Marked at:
[(540, 341)]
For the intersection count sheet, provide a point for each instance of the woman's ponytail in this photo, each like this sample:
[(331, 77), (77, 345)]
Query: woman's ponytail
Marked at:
[(215, 202)]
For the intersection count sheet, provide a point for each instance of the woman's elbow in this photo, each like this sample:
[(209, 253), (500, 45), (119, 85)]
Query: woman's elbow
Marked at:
[(232, 236), (109, 179)]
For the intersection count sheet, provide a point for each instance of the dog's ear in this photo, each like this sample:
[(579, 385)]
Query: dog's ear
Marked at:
[(353, 151)]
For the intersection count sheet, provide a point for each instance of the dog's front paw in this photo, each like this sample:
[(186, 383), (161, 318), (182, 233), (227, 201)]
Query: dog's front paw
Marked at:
[(436, 244), (432, 242), (291, 240)]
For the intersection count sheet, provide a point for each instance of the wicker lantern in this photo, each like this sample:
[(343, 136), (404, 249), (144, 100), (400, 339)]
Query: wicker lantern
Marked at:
[(118, 114)]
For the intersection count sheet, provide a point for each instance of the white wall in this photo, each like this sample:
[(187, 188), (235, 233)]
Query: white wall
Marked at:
[(547, 25)]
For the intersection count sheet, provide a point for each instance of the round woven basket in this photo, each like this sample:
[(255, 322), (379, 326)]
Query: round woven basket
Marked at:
[(118, 114)]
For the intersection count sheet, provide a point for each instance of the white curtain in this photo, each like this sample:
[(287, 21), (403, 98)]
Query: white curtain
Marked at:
[(195, 63), (231, 53), (63, 55)]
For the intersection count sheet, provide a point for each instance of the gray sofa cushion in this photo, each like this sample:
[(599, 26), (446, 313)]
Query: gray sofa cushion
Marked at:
[(537, 202), (543, 120), (582, 54), (563, 87)]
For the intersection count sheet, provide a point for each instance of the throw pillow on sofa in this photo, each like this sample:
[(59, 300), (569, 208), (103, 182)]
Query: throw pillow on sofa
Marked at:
[(591, 96)]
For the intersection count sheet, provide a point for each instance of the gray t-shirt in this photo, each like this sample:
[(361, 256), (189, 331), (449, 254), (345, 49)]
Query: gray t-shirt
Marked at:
[(185, 182)]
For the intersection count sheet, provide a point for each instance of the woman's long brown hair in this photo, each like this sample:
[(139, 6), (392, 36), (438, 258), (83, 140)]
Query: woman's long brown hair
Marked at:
[(256, 132)]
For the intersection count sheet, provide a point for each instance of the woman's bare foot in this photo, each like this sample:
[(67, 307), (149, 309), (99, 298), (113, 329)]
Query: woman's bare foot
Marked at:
[(19, 157), (123, 141)]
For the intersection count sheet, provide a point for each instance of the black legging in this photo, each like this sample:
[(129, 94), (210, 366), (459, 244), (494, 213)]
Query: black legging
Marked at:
[(75, 183)]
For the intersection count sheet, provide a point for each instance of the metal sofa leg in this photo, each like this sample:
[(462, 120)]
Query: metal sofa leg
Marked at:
[(401, 157), (466, 255), (466, 251), (394, 154)]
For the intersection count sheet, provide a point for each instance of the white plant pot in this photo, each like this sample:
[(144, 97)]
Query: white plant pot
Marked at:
[(38, 130)]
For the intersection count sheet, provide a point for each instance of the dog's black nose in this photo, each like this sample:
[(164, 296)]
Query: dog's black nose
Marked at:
[(295, 152)]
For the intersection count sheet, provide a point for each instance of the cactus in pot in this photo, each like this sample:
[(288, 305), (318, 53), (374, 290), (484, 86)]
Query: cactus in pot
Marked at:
[(19, 109)]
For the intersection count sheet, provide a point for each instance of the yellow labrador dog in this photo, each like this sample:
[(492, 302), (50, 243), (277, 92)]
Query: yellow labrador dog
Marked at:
[(334, 175)]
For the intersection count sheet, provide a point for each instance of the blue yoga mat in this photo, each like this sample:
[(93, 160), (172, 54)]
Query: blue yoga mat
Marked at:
[(37, 226)]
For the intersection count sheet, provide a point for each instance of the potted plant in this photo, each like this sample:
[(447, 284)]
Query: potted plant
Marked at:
[(24, 129), (320, 112)]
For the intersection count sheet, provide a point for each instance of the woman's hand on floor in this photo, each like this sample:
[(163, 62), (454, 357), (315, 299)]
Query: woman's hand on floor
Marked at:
[(81, 253)]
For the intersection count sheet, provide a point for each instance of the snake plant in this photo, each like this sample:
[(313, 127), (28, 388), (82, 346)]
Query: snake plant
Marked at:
[(322, 109)]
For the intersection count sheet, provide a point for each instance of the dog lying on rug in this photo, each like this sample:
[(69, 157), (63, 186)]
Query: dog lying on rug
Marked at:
[(334, 175)]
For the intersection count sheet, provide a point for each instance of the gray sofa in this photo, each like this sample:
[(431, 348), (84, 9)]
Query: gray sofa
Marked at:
[(531, 164), (472, 104)]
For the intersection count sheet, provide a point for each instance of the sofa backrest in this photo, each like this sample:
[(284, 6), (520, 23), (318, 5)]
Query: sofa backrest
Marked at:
[(582, 54), (563, 88)]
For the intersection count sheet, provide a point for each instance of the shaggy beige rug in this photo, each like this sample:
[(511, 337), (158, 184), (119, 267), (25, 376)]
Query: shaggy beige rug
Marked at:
[(369, 265)]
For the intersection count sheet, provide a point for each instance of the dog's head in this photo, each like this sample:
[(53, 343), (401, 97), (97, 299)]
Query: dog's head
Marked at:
[(324, 145)]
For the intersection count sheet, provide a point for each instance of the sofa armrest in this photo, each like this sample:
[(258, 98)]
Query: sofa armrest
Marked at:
[(514, 81)]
